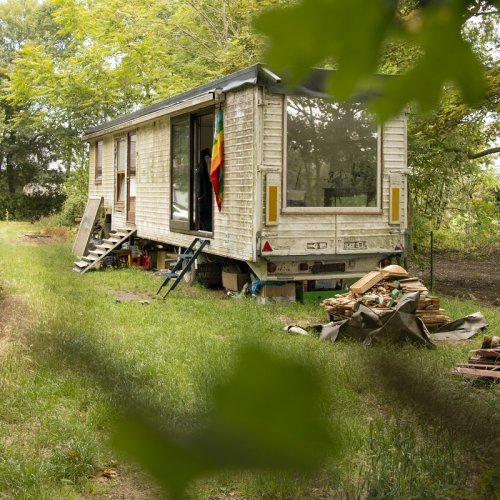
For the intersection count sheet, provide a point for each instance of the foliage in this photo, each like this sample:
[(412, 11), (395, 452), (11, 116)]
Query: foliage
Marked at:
[(252, 424), (68, 65), (27, 149), (76, 191), (353, 35)]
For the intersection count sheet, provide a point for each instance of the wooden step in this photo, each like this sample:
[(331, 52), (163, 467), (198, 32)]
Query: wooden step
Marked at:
[(90, 258), (81, 264), (112, 240), (97, 251), (120, 233), (105, 246)]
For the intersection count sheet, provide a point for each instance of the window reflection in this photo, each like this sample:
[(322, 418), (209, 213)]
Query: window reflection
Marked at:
[(331, 154), (180, 169)]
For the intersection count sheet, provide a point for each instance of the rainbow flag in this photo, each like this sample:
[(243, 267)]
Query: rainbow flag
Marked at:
[(216, 172)]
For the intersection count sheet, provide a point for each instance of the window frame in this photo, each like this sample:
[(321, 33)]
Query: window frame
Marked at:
[(188, 226), (98, 161), (181, 225), (120, 173), (377, 209)]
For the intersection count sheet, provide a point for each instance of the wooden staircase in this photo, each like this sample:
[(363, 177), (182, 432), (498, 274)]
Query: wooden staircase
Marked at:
[(116, 238)]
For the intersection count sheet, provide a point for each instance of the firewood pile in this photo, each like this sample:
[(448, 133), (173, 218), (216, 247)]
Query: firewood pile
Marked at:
[(381, 291), (484, 363)]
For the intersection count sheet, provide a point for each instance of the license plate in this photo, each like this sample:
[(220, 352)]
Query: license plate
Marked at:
[(316, 245), (355, 245)]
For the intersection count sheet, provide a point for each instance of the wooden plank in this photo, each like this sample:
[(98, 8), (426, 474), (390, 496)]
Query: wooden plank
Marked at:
[(471, 372), (86, 225), (486, 361), (492, 367), (488, 353), (367, 281)]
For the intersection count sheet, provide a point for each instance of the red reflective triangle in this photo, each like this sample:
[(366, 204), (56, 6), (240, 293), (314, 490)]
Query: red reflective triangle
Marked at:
[(267, 247)]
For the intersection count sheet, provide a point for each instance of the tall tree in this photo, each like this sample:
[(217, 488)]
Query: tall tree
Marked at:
[(26, 149)]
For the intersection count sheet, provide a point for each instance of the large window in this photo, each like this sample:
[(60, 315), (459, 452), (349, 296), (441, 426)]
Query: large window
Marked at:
[(181, 161), (332, 158)]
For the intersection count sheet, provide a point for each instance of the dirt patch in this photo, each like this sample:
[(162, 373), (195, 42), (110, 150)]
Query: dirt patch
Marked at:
[(474, 278), (127, 484), (127, 296), (47, 235), (57, 233), (12, 313)]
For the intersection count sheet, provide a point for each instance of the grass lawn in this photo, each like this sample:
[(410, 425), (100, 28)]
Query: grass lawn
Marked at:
[(71, 353)]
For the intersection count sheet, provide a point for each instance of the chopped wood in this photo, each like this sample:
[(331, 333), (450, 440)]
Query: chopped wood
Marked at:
[(367, 282), (379, 291)]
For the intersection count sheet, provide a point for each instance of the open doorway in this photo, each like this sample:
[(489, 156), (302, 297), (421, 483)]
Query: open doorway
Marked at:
[(192, 194), (204, 132)]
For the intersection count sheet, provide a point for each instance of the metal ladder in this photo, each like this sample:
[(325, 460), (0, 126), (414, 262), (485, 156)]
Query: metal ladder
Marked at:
[(190, 255)]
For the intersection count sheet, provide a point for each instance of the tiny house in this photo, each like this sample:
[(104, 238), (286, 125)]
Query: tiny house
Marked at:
[(312, 189)]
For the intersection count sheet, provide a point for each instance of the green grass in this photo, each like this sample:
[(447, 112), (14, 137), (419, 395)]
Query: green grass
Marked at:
[(74, 353)]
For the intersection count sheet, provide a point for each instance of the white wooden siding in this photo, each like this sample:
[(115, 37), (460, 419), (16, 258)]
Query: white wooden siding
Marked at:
[(254, 143), (233, 226), (293, 231), (153, 190), (233, 234)]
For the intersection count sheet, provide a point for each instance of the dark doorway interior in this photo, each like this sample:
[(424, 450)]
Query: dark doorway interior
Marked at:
[(203, 193)]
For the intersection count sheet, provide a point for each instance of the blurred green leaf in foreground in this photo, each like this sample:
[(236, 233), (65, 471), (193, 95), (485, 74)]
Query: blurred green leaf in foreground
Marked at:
[(267, 415), (352, 35)]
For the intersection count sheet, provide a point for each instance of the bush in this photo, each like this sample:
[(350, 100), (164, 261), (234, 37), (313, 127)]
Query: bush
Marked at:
[(19, 206), (76, 190)]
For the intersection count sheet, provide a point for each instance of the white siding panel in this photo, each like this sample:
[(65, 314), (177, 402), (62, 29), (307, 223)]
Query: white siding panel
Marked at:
[(293, 231), (233, 226), (153, 191)]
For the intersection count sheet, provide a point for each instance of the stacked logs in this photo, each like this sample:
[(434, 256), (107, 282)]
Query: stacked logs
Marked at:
[(381, 291), (484, 362)]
